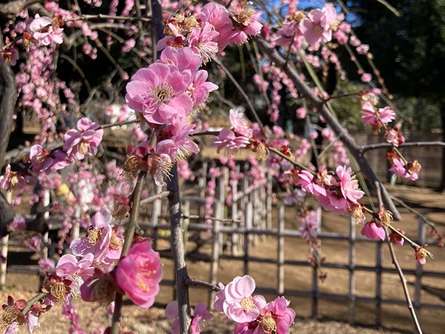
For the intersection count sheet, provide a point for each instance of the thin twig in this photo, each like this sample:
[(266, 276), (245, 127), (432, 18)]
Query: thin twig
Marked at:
[(284, 156), (241, 90), (377, 146), (129, 234), (33, 301), (416, 212), (199, 283), (398, 267), (112, 17)]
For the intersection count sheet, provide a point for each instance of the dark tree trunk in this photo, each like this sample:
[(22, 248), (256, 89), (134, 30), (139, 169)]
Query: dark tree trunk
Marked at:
[(8, 98), (442, 117)]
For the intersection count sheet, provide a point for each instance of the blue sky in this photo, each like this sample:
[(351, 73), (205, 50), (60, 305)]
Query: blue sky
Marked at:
[(305, 4)]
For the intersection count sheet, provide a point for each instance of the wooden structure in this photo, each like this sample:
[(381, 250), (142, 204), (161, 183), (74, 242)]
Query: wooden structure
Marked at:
[(255, 214)]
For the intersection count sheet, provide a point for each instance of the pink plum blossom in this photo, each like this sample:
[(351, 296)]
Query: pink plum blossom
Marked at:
[(306, 182), (45, 31), (138, 274), (203, 41), (101, 241), (218, 303), (158, 92), (10, 179), (366, 77), (239, 303), (290, 34), (377, 117), (317, 26), (301, 112), (69, 265), (218, 16), (44, 161), (177, 143), (200, 314), (276, 317), (408, 171), (246, 25), (83, 140), (310, 225), (348, 184), (373, 231), (239, 135)]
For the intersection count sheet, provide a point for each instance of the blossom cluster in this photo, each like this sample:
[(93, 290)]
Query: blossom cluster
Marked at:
[(315, 28), (381, 119), (96, 271), (251, 313)]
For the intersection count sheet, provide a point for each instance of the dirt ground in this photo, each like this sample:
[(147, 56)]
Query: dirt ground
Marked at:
[(393, 317)]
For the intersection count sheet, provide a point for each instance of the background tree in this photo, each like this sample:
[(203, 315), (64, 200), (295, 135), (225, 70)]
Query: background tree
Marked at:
[(409, 50)]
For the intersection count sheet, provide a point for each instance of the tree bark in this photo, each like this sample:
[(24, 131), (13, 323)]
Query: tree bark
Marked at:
[(8, 96)]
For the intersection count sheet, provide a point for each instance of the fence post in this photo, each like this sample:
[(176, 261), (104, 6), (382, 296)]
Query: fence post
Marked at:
[(378, 284), (186, 221), (4, 260), (280, 250), (202, 183), (247, 227), (46, 202), (4, 251), (156, 212), (351, 269), (269, 201), (419, 268), (253, 198), (234, 215), (215, 259)]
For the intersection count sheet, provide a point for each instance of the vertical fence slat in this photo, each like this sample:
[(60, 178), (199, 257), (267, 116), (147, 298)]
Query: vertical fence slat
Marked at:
[(4, 260), (186, 221), (234, 215), (248, 226), (315, 292), (280, 250), (215, 258), (155, 213), (351, 269), (4, 241), (269, 201), (202, 183), (378, 284)]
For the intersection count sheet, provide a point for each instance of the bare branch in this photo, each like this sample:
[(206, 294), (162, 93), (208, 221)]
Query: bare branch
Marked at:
[(398, 267), (377, 146), (335, 125)]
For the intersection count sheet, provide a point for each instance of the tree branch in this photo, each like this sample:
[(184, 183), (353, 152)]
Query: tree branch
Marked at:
[(335, 125), (377, 146), (177, 247), (129, 233), (8, 93), (398, 267)]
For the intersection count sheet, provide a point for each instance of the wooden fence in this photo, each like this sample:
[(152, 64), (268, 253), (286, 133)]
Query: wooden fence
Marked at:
[(236, 228), (255, 214)]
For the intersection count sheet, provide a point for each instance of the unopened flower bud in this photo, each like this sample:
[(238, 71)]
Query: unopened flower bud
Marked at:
[(385, 216), (421, 254), (133, 165), (396, 238)]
